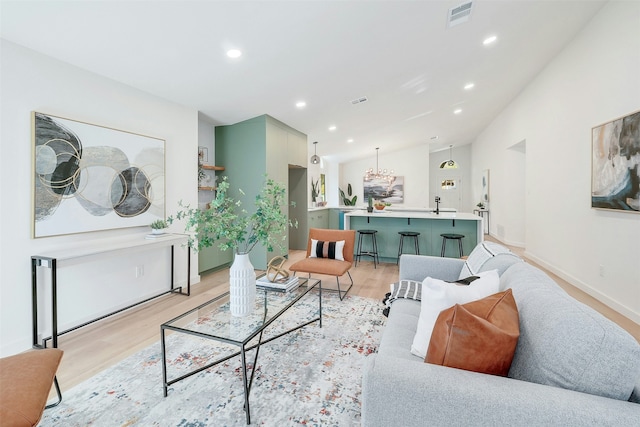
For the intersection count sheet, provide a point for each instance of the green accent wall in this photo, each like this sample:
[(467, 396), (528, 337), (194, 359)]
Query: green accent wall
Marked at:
[(248, 150)]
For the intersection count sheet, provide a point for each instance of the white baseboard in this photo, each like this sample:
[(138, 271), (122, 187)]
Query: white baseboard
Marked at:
[(615, 305)]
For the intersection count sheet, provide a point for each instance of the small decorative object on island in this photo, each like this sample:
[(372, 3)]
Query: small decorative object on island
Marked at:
[(348, 201), (480, 205), (380, 205), (239, 231), (158, 226)]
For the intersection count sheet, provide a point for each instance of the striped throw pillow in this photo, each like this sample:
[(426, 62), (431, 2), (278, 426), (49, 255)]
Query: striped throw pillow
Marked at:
[(331, 250)]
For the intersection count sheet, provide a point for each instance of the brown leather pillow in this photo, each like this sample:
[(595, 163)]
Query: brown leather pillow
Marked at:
[(479, 336)]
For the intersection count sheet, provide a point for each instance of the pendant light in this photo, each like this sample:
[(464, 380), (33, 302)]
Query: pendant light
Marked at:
[(449, 164), (315, 159), (379, 174)]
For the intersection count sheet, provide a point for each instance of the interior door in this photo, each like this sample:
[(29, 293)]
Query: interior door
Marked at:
[(450, 191)]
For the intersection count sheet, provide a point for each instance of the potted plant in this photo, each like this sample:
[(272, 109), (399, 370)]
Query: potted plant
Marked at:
[(314, 192), (158, 226), (480, 205), (348, 201), (227, 223), (380, 205)]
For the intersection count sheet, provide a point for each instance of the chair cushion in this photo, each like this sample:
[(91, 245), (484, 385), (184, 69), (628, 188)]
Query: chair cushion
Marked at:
[(331, 267), (26, 380), (331, 250), (479, 336), (438, 295)]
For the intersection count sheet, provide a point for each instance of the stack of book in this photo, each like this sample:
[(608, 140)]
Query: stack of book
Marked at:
[(286, 284)]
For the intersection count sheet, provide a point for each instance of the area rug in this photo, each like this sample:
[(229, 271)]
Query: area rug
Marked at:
[(310, 377)]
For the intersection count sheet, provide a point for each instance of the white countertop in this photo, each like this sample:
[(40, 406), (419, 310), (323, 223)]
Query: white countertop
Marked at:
[(416, 215), (393, 208)]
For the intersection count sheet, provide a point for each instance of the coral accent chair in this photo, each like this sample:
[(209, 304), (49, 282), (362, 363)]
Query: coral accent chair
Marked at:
[(331, 267), (26, 380)]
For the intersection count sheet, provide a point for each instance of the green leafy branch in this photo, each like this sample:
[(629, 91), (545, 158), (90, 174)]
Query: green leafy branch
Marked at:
[(232, 226)]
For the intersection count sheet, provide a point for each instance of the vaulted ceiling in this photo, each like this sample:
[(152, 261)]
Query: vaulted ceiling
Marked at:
[(401, 55)]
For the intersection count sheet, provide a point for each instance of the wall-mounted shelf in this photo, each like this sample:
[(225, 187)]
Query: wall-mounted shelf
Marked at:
[(207, 188), (212, 168)]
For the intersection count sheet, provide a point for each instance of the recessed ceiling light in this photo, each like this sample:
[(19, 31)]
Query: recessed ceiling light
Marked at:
[(433, 138), (332, 128), (489, 40), (234, 53), (350, 140), (301, 104), (469, 86), (457, 111)]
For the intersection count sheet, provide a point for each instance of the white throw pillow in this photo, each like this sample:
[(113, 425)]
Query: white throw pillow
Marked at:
[(332, 250), (438, 295)]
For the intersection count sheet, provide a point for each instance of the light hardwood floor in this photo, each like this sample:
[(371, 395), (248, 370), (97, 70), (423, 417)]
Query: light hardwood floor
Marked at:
[(98, 346)]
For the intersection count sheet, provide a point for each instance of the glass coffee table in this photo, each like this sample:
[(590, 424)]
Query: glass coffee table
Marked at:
[(213, 320)]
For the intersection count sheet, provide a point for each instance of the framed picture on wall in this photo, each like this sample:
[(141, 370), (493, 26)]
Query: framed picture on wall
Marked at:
[(384, 191), (90, 178), (615, 164), (484, 194)]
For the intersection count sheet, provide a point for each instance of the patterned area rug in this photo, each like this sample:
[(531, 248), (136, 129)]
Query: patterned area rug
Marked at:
[(310, 377)]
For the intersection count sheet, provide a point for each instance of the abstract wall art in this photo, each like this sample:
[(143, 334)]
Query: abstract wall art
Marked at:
[(384, 191), (615, 170), (91, 178), (484, 190)]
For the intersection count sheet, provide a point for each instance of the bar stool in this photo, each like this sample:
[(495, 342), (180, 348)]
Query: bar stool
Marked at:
[(374, 246), (408, 234), (449, 236)]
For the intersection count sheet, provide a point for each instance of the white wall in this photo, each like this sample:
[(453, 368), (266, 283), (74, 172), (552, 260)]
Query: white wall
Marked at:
[(34, 82), (462, 156), (593, 80), (411, 163)]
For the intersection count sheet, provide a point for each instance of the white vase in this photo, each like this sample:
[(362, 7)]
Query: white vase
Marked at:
[(242, 286), (158, 231)]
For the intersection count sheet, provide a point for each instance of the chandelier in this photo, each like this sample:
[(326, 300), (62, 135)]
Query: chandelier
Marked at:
[(379, 174)]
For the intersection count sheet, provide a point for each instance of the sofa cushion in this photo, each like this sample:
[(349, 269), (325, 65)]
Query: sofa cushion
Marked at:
[(399, 330), (565, 343), (479, 336), (488, 256), (438, 295)]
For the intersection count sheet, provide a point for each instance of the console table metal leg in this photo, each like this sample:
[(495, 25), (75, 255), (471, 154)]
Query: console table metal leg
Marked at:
[(34, 302), (54, 304)]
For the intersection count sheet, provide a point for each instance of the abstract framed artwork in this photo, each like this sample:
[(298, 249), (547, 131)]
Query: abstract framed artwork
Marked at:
[(484, 195), (615, 164), (91, 178), (384, 191)]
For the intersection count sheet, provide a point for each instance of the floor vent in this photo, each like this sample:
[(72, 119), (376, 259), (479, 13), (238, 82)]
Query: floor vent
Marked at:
[(359, 100), (459, 14)]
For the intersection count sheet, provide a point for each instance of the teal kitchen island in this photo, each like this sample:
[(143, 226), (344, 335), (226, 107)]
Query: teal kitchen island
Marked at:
[(429, 224)]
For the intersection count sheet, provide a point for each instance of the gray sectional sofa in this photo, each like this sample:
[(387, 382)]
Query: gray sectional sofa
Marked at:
[(572, 366)]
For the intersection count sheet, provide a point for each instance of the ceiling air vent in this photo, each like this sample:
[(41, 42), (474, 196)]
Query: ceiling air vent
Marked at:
[(459, 14), (359, 100)]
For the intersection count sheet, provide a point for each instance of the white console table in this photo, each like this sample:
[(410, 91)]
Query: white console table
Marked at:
[(55, 259)]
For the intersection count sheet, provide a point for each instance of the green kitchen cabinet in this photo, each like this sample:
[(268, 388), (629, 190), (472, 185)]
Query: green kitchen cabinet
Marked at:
[(251, 149)]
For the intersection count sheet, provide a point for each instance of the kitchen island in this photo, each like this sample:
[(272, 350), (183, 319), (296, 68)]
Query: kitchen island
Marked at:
[(426, 222)]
